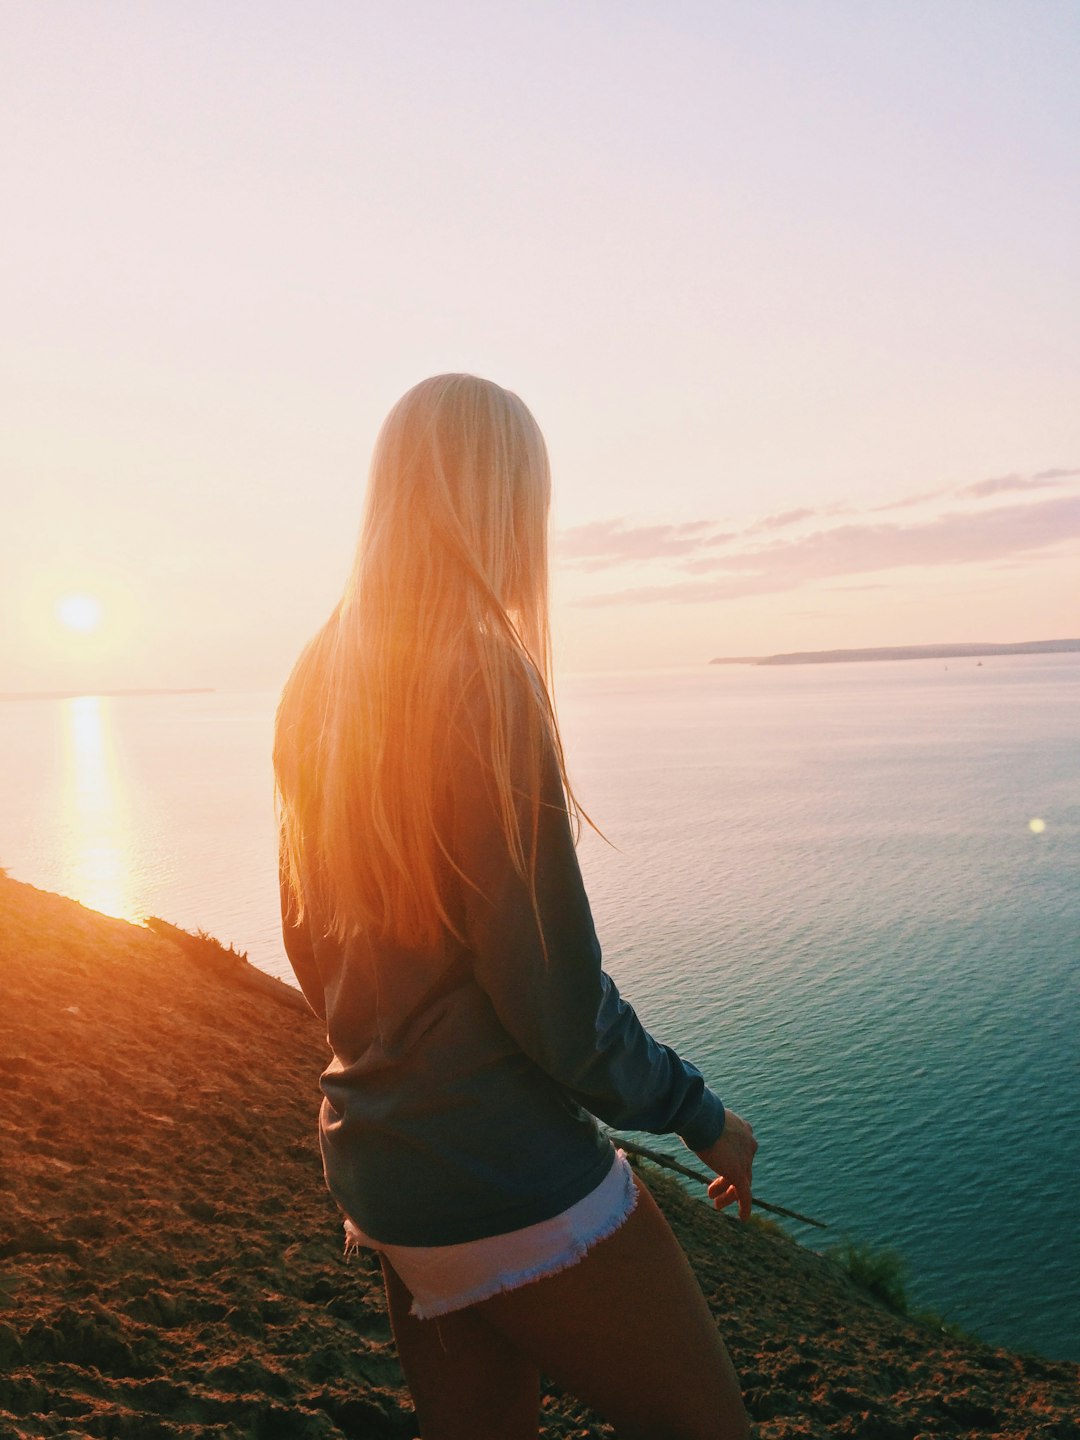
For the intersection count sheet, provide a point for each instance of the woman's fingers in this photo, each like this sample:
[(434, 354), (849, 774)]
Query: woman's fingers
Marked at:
[(745, 1199), (722, 1197), (724, 1191), (731, 1157)]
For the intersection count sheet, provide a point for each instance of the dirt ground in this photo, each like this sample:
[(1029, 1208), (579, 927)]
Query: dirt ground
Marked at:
[(171, 1265)]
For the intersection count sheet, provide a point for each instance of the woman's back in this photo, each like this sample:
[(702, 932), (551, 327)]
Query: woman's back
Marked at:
[(441, 1050)]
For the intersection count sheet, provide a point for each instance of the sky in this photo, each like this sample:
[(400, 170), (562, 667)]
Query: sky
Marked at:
[(792, 289)]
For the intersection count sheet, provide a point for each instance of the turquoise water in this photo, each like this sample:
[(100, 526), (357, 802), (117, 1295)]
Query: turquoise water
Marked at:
[(827, 893)]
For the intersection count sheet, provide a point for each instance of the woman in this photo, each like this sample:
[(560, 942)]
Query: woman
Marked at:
[(434, 914)]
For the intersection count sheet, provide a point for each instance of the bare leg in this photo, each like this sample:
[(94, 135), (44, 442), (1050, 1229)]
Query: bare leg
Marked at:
[(465, 1378), (628, 1331)]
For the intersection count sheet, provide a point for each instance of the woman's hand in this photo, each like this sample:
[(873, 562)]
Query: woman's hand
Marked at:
[(732, 1158)]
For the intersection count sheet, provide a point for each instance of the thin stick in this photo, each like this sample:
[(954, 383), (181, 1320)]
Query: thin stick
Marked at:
[(659, 1158)]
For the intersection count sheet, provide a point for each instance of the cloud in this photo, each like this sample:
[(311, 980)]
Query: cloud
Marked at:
[(960, 538), (996, 485), (1055, 474), (910, 500), (777, 522), (605, 543), (692, 545), (1046, 480)]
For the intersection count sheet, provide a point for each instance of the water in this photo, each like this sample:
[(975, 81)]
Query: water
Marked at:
[(827, 893)]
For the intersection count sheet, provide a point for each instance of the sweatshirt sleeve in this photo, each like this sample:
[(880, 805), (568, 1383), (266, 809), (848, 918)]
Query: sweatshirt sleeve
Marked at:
[(561, 1007)]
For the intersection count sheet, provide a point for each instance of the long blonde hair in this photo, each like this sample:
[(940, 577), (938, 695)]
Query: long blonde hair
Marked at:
[(449, 587)]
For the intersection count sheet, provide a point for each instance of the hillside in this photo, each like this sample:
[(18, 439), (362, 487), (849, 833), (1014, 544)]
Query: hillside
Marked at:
[(170, 1263)]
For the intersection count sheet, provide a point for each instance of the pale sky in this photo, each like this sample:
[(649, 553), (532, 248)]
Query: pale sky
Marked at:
[(792, 289)]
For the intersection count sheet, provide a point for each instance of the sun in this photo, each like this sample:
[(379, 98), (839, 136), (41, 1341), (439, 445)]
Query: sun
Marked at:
[(79, 612)]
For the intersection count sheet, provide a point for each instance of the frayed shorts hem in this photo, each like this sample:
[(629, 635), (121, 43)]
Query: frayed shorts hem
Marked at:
[(444, 1278)]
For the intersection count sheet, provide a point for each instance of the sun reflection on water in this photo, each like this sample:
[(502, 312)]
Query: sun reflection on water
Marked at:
[(96, 841)]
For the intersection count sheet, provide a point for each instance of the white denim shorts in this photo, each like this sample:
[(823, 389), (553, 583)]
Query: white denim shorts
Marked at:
[(442, 1278)]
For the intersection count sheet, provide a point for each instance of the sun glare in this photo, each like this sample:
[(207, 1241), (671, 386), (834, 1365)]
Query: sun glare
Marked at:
[(79, 612), (97, 843)]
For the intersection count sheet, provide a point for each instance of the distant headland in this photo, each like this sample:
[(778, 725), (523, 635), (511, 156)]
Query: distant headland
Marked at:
[(903, 652)]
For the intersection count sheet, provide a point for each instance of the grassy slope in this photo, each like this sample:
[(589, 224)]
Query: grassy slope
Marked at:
[(170, 1263)]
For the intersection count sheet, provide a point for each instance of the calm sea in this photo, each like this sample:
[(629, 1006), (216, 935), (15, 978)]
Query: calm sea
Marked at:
[(851, 894)]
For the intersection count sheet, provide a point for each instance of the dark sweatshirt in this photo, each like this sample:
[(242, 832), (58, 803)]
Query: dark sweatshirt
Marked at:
[(459, 1102)]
